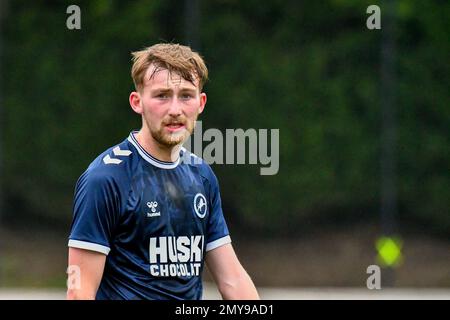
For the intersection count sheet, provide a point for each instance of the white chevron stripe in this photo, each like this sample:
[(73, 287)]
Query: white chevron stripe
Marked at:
[(118, 152), (108, 160)]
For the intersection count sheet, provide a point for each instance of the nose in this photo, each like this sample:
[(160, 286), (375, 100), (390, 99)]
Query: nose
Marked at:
[(175, 108)]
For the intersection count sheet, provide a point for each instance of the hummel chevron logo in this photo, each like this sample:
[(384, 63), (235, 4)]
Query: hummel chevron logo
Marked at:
[(117, 152), (108, 160)]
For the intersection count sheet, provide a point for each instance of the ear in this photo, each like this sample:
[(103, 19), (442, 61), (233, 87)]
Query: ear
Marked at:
[(135, 102), (202, 102)]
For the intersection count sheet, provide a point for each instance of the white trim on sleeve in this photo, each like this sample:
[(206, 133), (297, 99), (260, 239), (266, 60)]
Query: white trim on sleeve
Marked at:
[(218, 243), (89, 246)]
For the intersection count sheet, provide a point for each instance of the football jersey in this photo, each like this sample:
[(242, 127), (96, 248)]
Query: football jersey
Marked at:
[(154, 220)]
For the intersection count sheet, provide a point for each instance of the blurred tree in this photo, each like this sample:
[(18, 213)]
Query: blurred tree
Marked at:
[(309, 68)]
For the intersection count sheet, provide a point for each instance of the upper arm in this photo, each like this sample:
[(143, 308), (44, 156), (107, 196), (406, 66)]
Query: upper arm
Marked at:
[(223, 265), (85, 273), (97, 207), (232, 280), (96, 211)]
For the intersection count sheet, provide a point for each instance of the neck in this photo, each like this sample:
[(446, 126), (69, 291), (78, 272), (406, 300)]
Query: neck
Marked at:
[(156, 149)]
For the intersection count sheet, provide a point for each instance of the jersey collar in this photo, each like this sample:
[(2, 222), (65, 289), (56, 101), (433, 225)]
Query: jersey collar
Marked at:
[(148, 157)]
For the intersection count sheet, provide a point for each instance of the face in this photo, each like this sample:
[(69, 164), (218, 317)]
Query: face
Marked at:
[(169, 106)]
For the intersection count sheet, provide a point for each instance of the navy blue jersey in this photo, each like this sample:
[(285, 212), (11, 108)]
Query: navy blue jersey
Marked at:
[(154, 220)]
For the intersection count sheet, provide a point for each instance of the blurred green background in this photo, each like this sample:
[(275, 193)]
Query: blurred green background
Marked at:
[(309, 68)]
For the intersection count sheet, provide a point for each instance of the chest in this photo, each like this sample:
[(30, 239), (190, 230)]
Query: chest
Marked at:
[(168, 203)]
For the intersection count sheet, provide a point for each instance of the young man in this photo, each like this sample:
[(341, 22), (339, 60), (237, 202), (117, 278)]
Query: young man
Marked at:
[(146, 215)]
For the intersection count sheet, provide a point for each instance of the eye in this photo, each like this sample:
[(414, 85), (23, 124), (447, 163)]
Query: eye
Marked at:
[(162, 96), (186, 96)]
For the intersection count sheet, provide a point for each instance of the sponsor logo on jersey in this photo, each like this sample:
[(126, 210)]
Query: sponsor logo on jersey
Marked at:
[(176, 256), (200, 205)]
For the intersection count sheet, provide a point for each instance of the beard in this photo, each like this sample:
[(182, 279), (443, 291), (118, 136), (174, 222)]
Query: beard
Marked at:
[(171, 139)]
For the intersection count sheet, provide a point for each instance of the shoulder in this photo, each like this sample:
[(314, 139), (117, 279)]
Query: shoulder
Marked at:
[(201, 166), (111, 166)]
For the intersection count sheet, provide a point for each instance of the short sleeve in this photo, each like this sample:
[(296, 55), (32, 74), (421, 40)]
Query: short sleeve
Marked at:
[(217, 234), (95, 212)]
